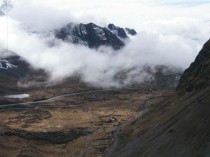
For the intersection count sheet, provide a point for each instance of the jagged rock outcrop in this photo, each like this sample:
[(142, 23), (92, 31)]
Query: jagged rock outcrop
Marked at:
[(94, 36), (131, 31), (15, 67), (197, 76), (120, 32), (89, 34)]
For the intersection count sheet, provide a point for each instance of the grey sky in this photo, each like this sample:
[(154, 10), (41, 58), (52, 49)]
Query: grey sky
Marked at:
[(122, 12)]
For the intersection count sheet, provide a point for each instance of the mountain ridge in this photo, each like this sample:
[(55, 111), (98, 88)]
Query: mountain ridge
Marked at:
[(92, 35), (197, 76)]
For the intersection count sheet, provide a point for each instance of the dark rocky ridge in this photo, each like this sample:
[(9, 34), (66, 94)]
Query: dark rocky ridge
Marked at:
[(13, 66), (92, 35), (14, 69), (121, 32), (131, 31), (197, 76), (118, 31), (89, 34)]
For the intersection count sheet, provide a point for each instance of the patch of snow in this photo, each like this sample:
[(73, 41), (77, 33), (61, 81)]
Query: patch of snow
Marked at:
[(4, 64), (100, 33), (83, 30), (114, 32), (98, 30), (17, 96)]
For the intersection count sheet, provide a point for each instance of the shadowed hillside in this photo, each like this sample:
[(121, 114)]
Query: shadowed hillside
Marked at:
[(197, 76), (178, 126)]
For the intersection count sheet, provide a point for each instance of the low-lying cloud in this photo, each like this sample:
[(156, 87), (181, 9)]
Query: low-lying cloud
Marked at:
[(173, 43)]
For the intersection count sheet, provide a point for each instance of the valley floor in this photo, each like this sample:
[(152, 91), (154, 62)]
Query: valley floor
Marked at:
[(84, 123)]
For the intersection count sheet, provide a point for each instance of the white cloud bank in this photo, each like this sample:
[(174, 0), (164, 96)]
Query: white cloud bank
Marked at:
[(170, 36)]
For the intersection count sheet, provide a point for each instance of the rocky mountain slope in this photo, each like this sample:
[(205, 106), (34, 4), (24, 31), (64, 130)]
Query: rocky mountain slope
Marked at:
[(14, 69), (178, 126), (89, 34), (92, 35), (197, 76), (121, 32), (17, 70)]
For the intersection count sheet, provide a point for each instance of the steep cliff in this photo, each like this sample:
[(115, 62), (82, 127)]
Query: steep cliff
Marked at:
[(197, 76)]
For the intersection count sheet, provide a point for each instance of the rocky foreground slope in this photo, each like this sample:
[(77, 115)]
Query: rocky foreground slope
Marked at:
[(197, 76), (178, 126)]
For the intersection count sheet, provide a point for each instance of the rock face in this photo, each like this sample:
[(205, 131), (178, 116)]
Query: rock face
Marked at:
[(89, 34), (120, 32), (4, 64), (15, 67), (13, 70), (131, 31), (94, 36), (197, 76)]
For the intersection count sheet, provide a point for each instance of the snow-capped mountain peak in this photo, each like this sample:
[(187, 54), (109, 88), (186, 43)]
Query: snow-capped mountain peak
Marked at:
[(92, 35)]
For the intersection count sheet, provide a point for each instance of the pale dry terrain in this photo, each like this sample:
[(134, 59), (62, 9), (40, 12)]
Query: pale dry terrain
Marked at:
[(76, 124)]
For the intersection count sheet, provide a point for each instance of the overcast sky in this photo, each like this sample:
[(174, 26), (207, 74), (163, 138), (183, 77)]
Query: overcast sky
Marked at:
[(122, 12)]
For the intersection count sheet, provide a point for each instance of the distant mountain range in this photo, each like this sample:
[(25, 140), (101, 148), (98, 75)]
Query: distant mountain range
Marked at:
[(94, 36), (89, 34)]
